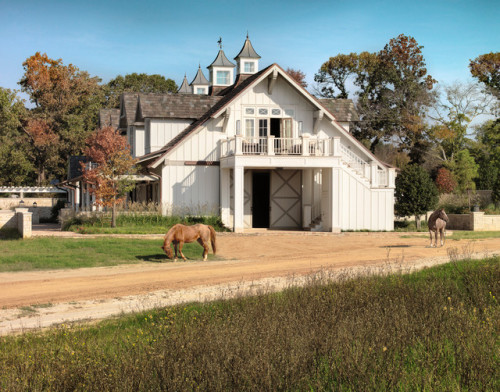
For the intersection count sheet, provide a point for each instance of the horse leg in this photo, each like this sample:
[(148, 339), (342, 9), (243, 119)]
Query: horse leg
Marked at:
[(436, 235), (181, 243), (441, 236), (175, 249), (205, 248), (430, 235)]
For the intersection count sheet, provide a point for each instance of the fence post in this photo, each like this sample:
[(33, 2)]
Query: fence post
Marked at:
[(24, 222)]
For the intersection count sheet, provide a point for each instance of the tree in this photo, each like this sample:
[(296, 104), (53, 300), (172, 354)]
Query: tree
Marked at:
[(17, 167), (393, 93), (298, 76), (66, 102), (444, 181), (487, 154), (110, 168), (415, 193), (486, 68), (464, 170), (139, 83), (453, 114), (334, 74)]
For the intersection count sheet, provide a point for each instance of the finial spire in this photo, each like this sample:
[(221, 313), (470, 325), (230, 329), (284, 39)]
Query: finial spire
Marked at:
[(220, 43)]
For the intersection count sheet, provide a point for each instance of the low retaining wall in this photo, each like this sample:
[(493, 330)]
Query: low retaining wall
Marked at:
[(475, 221), (20, 219), (43, 208)]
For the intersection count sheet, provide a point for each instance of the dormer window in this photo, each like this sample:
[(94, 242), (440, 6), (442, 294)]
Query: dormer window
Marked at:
[(200, 90), (223, 77), (249, 67)]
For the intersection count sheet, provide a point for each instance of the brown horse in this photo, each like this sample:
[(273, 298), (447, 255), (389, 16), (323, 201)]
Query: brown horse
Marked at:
[(180, 234), (437, 223)]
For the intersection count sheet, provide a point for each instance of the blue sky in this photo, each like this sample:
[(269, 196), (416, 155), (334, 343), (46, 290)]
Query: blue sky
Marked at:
[(108, 38)]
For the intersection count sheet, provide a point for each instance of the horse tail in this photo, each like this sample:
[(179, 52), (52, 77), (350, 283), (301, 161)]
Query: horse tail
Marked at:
[(212, 238)]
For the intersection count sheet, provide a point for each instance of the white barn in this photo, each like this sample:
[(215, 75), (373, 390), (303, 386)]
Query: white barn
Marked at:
[(256, 148)]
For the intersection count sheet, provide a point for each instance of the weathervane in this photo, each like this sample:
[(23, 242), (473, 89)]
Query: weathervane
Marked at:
[(220, 43)]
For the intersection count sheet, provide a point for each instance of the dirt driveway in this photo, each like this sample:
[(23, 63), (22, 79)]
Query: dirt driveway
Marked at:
[(250, 261)]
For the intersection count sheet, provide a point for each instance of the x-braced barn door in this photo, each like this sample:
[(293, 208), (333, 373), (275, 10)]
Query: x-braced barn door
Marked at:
[(286, 196)]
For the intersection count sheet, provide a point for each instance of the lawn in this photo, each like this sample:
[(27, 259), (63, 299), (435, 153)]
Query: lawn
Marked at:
[(433, 330), (56, 253)]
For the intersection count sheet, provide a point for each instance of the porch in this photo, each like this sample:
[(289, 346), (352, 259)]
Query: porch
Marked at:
[(301, 183)]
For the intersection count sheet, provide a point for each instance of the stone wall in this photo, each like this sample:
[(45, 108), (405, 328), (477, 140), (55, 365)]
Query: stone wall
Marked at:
[(20, 219), (43, 208), (8, 220), (475, 221)]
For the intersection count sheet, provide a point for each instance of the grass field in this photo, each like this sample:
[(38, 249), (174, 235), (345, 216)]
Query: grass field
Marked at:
[(54, 253), (433, 330)]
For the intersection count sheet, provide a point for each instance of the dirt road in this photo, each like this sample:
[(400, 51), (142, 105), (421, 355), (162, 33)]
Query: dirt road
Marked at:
[(244, 260)]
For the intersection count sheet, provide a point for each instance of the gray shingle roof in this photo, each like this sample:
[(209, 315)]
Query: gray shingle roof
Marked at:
[(75, 169), (180, 106), (184, 89), (200, 79), (343, 109), (221, 61), (109, 117), (129, 109), (247, 51)]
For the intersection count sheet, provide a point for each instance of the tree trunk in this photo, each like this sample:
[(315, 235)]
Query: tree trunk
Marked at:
[(113, 215), (417, 221)]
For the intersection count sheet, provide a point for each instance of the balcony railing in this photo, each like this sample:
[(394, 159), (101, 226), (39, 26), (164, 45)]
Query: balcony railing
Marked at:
[(311, 147)]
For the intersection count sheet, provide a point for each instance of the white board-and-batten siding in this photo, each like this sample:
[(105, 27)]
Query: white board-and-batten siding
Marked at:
[(353, 204), (160, 131)]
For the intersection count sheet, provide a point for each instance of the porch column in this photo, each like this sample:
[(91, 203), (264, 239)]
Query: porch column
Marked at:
[(336, 146), (374, 174), (270, 145), (307, 197), (391, 177), (239, 198), (305, 145), (238, 145), (225, 197)]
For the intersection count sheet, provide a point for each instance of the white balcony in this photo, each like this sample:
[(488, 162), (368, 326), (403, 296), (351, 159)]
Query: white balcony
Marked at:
[(260, 152)]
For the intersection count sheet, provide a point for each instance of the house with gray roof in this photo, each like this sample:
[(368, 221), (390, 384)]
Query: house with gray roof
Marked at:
[(253, 146)]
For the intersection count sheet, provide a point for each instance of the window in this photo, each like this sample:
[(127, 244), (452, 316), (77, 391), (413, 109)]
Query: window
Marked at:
[(222, 77), (249, 127), (200, 90), (248, 67), (263, 127), (276, 112), (289, 112), (249, 111), (263, 112)]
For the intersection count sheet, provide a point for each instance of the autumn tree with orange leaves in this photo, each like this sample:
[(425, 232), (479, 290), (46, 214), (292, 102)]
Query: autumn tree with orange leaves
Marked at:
[(66, 104), (110, 169), (298, 76)]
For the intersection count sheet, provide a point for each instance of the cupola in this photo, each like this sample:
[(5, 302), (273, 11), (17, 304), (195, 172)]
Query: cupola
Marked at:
[(184, 89), (200, 83), (248, 59), (221, 70)]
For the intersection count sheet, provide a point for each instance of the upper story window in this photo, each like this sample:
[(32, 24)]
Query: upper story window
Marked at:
[(249, 127), (263, 111), (248, 67), (249, 110), (223, 77), (200, 90)]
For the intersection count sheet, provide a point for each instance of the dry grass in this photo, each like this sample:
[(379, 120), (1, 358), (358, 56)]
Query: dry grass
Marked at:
[(436, 329)]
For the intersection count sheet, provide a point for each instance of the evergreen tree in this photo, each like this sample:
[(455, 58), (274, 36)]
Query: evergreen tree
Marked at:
[(415, 193)]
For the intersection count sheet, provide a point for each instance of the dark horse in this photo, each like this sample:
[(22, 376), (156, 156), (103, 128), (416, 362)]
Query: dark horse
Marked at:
[(437, 223), (180, 234)]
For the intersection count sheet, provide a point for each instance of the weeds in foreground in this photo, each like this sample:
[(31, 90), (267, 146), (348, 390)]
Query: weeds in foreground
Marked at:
[(436, 329)]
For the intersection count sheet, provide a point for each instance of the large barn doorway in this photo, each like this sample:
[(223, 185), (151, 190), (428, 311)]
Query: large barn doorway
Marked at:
[(260, 199)]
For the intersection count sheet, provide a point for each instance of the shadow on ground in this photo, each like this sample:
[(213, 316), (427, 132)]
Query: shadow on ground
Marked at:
[(157, 258)]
